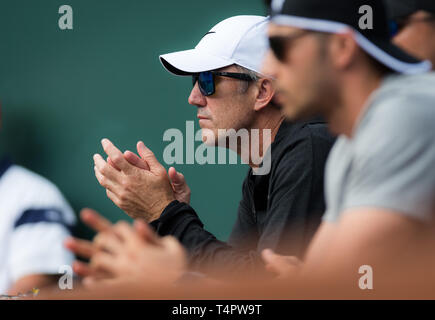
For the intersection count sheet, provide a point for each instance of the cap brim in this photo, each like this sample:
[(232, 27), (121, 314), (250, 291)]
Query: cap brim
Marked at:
[(184, 63), (393, 57), (396, 52)]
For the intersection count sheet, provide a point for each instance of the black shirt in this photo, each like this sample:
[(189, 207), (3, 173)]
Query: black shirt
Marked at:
[(281, 210)]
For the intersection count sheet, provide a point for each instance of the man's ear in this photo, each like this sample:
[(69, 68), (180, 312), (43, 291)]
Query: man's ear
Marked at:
[(343, 50), (265, 93)]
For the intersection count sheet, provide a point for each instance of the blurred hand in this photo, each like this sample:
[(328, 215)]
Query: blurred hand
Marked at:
[(84, 248), (123, 254), (139, 192), (120, 253), (282, 266)]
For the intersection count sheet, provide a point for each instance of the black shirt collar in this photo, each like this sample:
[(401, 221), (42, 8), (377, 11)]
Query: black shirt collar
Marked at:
[(285, 130), (287, 126)]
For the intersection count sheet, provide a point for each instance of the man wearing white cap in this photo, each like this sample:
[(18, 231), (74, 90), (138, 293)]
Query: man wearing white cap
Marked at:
[(280, 209)]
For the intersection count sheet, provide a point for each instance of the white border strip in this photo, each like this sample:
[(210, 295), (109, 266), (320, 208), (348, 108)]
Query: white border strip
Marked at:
[(367, 45)]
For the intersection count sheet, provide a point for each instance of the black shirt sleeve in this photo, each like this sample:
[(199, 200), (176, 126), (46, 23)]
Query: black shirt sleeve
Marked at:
[(205, 251)]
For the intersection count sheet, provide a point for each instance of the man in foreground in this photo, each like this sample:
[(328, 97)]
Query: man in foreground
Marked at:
[(379, 180)]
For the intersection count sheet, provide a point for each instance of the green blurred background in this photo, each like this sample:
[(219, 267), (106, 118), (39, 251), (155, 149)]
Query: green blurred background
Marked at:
[(62, 91)]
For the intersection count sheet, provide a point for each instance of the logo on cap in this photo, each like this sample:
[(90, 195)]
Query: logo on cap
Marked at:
[(209, 33)]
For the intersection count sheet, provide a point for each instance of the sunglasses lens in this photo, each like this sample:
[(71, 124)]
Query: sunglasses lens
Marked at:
[(206, 83), (276, 45)]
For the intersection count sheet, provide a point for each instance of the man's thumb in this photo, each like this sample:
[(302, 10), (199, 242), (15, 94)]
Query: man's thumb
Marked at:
[(177, 178), (147, 155)]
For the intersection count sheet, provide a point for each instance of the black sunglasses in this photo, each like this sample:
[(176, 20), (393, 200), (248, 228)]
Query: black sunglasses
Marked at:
[(280, 44), (206, 80)]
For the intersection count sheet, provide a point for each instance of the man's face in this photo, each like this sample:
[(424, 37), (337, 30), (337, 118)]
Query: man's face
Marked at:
[(303, 76), (417, 36), (228, 108)]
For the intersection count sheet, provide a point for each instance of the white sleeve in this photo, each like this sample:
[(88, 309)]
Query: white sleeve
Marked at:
[(37, 248)]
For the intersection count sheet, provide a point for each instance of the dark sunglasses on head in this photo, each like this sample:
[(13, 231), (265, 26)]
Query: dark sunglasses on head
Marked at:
[(280, 44), (206, 80)]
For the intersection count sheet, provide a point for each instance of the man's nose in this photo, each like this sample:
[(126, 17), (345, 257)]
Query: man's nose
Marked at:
[(196, 98)]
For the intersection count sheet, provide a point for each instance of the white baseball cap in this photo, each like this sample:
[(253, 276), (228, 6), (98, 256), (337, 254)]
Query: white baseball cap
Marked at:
[(240, 40)]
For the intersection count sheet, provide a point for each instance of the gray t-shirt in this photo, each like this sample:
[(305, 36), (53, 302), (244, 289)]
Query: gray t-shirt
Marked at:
[(389, 163)]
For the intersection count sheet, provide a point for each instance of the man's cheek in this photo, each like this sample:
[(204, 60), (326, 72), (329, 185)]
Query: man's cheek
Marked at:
[(285, 80)]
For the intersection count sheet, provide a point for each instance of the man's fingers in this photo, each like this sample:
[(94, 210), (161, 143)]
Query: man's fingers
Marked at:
[(90, 282), (147, 155), (281, 265), (79, 247), (124, 231), (98, 283), (103, 262), (145, 232), (116, 156), (107, 241), (94, 220), (112, 196), (134, 160), (105, 169), (110, 162), (172, 245), (103, 181), (82, 269), (268, 255)]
